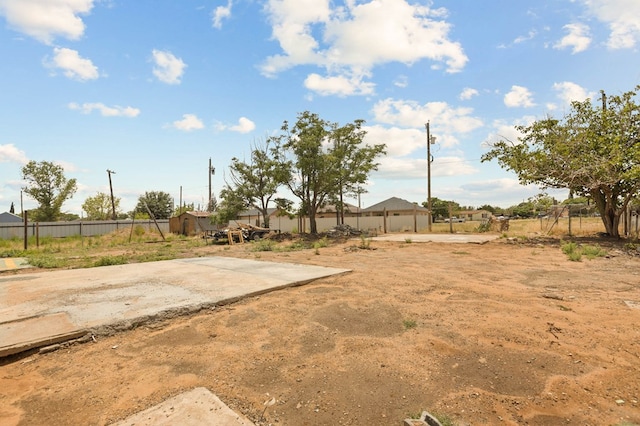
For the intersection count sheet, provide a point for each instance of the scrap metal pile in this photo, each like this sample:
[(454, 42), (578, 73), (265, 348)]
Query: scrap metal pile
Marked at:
[(240, 233)]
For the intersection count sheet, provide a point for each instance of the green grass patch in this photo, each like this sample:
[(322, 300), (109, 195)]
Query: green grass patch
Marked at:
[(111, 260), (46, 260), (263, 245), (409, 324), (575, 251), (591, 252)]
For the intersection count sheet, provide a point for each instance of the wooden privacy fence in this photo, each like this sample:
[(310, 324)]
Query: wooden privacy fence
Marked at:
[(82, 228)]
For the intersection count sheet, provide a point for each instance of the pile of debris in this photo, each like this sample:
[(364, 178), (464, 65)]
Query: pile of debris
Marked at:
[(241, 233), (339, 231)]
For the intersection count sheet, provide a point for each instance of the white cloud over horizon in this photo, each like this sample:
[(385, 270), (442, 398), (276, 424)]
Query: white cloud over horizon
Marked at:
[(568, 92), (9, 153), (447, 122), (349, 41)]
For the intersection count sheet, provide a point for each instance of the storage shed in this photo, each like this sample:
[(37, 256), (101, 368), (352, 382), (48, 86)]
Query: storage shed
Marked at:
[(191, 223)]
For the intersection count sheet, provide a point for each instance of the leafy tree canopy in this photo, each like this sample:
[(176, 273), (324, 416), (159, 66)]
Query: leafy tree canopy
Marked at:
[(593, 151), (440, 208), (47, 184), (231, 205), (184, 208), (324, 160), (160, 204), (99, 207), (258, 180)]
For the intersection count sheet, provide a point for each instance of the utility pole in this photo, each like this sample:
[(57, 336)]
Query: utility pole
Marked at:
[(212, 171), (430, 140), (113, 202)]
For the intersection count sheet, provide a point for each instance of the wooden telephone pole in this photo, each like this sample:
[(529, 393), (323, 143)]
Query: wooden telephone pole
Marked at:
[(113, 202)]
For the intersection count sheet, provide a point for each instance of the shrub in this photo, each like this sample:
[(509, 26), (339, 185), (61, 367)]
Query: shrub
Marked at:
[(110, 260), (44, 260), (263, 245)]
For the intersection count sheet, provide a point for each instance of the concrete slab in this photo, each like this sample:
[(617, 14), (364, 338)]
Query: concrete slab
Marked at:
[(438, 238), (9, 263), (119, 296), (23, 334), (193, 408)]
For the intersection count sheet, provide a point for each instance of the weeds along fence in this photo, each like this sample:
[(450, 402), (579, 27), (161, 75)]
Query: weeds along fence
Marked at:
[(372, 224), (81, 228), (410, 223)]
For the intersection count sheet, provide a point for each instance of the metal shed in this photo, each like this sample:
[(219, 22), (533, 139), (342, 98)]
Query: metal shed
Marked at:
[(191, 223)]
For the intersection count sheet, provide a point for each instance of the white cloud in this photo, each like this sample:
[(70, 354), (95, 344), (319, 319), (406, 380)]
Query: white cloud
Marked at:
[(244, 126), (401, 81), (399, 142), (10, 154), (412, 168), (518, 97), (168, 68), (338, 85), (351, 39), (67, 166), (623, 17), (521, 39), (72, 64), (446, 121), (467, 94), (507, 131), (188, 123), (105, 111), (569, 92), (46, 19), (577, 38), (220, 13)]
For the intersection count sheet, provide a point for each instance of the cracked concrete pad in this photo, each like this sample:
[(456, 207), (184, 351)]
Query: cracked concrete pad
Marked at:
[(50, 307)]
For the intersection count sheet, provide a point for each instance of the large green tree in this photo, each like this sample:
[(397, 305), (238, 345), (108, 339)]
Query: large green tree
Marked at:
[(324, 160), (440, 208), (354, 160), (593, 151), (47, 184), (232, 203), (160, 204), (99, 207), (258, 180)]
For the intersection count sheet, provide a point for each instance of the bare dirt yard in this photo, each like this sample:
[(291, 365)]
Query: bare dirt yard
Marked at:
[(501, 333)]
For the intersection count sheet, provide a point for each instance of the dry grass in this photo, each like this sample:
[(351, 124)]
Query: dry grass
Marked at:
[(525, 227), (146, 245)]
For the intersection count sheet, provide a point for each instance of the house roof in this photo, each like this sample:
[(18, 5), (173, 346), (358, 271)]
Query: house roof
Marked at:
[(394, 204), (7, 217), (331, 208), (196, 214), (256, 212)]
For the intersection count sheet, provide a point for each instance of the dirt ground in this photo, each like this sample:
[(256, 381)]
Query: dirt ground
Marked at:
[(500, 333)]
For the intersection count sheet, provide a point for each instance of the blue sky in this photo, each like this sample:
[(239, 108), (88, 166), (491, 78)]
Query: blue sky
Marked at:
[(152, 89)]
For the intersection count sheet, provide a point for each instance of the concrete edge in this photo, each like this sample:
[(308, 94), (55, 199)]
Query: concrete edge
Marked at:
[(192, 408), (35, 344)]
